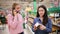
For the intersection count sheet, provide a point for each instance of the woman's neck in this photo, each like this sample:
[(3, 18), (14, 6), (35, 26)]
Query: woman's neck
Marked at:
[(41, 18)]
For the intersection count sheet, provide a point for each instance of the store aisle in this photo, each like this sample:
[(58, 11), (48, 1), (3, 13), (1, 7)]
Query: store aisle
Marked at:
[(26, 31), (5, 30)]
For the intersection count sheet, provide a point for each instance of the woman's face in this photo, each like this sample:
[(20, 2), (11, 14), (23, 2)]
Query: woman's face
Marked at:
[(41, 12), (17, 8)]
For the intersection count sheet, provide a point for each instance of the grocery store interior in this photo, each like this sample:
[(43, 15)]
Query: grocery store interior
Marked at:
[(53, 8)]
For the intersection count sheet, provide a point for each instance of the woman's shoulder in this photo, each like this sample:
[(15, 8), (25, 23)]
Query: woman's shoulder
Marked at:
[(49, 19), (9, 15), (19, 14), (36, 18)]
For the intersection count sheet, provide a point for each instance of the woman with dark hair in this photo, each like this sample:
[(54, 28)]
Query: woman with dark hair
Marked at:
[(15, 20), (42, 24)]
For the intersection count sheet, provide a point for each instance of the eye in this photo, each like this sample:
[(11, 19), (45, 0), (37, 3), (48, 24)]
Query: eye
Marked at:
[(18, 7)]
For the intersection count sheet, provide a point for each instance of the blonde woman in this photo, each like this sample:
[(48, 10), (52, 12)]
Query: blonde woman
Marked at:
[(15, 20)]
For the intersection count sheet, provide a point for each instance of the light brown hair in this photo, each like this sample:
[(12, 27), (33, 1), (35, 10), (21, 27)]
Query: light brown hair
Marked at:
[(13, 7)]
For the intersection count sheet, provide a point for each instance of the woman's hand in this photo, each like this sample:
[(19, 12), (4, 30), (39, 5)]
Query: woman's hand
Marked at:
[(0, 21), (35, 28), (42, 27), (15, 12)]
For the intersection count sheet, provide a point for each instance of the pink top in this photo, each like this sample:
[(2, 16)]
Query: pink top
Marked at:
[(15, 25)]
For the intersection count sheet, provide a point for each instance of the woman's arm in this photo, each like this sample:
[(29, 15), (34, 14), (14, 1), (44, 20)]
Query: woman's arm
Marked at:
[(49, 28), (20, 19), (33, 27), (12, 23)]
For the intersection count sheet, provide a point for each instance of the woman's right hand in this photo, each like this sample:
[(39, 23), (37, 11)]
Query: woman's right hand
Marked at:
[(42, 27), (15, 12), (35, 28)]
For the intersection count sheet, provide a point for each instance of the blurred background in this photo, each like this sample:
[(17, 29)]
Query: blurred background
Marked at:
[(30, 7)]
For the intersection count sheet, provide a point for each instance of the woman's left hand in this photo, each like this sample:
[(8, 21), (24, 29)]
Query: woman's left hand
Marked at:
[(42, 27)]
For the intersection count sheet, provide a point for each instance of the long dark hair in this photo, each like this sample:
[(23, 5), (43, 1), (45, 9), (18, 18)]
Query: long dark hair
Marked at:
[(45, 17), (13, 7)]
